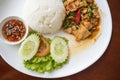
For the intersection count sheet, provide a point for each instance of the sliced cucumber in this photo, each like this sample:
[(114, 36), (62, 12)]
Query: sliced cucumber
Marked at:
[(59, 49), (29, 47)]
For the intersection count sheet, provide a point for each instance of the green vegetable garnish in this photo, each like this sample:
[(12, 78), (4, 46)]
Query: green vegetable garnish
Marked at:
[(65, 25), (63, 1), (90, 14), (46, 63), (29, 47), (72, 14), (77, 27), (43, 64), (92, 7), (59, 49), (82, 0), (91, 30)]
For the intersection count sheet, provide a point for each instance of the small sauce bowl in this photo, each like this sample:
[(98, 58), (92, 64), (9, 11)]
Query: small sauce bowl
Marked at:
[(13, 30)]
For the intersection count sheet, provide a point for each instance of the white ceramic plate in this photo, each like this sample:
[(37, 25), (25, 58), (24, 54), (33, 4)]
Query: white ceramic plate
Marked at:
[(77, 62)]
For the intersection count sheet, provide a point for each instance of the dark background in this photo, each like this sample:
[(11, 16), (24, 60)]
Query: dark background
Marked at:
[(106, 68)]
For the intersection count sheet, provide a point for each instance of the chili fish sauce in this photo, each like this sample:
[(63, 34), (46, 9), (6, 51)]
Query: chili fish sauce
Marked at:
[(13, 30)]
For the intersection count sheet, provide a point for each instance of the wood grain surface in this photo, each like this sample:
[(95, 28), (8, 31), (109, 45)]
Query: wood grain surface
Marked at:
[(106, 68)]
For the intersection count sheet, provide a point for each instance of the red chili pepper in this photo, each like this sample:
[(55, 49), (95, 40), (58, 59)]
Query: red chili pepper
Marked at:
[(77, 17)]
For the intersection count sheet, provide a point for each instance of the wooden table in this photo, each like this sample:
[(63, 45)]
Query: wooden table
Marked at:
[(106, 68)]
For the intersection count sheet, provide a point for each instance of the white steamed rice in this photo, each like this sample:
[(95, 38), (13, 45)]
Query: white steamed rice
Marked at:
[(44, 16)]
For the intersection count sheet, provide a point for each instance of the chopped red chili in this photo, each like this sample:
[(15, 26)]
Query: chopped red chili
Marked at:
[(14, 30), (77, 17)]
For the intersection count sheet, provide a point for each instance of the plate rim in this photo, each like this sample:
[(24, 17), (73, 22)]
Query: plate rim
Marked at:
[(103, 51)]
